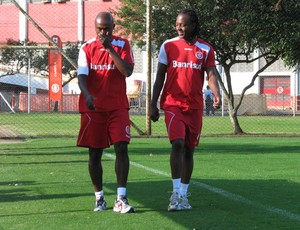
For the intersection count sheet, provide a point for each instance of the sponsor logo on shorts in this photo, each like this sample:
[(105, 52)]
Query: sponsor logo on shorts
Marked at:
[(127, 130)]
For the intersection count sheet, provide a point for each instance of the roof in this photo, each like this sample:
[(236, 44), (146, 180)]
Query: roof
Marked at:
[(23, 80)]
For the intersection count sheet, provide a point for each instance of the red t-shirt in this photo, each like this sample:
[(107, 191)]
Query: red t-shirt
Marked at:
[(105, 82), (186, 64)]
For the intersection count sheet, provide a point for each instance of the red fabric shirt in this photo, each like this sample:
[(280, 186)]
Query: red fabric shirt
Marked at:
[(186, 64), (105, 82)]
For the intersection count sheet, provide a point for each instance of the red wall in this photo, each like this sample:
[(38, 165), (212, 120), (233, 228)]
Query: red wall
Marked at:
[(277, 90), (9, 22), (40, 103), (54, 18)]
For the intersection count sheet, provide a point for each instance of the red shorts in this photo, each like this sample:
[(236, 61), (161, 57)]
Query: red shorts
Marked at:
[(100, 130), (184, 125)]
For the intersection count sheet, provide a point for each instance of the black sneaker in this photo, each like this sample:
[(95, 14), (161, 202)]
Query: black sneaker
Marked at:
[(100, 204)]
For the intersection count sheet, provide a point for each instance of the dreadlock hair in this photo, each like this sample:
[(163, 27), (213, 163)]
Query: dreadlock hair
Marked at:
[(193, 19)]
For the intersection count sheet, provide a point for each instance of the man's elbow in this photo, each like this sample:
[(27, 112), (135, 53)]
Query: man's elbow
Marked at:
[(128, 72)]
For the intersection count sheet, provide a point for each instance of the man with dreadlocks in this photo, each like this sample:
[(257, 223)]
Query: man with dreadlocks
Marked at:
[(182, 62)]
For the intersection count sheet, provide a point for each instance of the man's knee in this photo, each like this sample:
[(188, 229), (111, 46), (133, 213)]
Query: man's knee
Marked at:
[(121, 147), (188, 153), (178, 145), (95, 154)]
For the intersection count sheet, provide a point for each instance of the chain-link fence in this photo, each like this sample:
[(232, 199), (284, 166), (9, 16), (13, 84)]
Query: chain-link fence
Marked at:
[(262, 86)]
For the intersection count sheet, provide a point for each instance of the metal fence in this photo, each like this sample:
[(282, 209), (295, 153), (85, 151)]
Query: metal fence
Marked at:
[(24, 83)]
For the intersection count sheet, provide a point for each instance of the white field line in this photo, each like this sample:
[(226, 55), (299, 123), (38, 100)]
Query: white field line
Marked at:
[(229, 195)]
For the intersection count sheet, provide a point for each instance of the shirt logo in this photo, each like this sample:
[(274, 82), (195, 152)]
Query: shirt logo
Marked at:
[(199, 55), (186, 65), (102, 67)]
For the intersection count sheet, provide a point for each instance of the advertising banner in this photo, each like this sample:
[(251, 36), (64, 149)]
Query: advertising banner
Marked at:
[(55, 71)]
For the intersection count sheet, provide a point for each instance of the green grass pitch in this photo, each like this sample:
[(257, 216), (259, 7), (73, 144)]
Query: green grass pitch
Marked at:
[(237, 183)]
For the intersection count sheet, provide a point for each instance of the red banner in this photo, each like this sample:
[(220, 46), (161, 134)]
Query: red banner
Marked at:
[(55, 71)]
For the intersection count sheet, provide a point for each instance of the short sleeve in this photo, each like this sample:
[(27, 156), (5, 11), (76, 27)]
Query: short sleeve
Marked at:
[(82, 63)]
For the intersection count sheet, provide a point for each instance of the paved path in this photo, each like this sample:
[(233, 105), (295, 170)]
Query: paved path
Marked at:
[(7, 136)]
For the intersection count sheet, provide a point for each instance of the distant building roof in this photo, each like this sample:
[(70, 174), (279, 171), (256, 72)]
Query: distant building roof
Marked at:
[(24, 80)]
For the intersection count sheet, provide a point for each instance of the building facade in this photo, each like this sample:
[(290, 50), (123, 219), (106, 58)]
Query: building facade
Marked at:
[(73, 21)]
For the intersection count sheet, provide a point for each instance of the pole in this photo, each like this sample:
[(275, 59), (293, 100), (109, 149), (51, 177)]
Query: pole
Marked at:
[(149, 66), (80, 21), (295, 96), (29, 86), (10, 106), (23, 25), (220, 70)]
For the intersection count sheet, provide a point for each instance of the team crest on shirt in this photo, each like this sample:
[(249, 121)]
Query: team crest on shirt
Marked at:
[(127, 130), (199, 55)]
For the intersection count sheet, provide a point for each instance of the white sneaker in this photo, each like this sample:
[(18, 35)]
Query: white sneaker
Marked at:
[(174, 202), (122, 206), (184, 203)]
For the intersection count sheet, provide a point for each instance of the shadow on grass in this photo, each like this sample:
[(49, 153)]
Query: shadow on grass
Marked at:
[(41, 151), (215, 202), (233, 145), (22, 195), (248, 148)]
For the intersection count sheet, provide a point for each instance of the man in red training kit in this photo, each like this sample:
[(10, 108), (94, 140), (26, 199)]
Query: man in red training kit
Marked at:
[(182, 62), (103, 65)]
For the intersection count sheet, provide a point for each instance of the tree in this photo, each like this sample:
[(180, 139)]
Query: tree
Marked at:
[(235, 28), (288, 19), (16, 60), (71, 50), (239, 29)]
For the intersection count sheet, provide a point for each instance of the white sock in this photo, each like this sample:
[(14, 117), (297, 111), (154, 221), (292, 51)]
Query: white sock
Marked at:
[(121, 191), (176, 185), (183, 189), (99, 194)]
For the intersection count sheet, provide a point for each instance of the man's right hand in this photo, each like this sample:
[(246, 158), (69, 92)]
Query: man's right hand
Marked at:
[(89, 102), (154, 114)]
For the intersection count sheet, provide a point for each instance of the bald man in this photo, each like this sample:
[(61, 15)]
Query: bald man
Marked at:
[(104, 62)]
